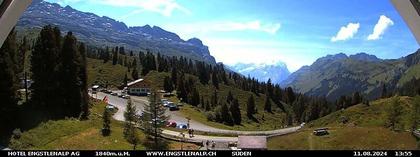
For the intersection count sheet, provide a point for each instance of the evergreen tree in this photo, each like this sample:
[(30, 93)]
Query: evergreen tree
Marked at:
[(267, 104), (44, 68), (70, 84), (229, 97), (167, 84), (125, 81), (84, 85), (135, 74), (215, 80), (154, 119), (130, 131), (174, 75), (195, 100), (236, 112), (384, 93), (8, 87), (356, 99), (394, 112), (106, 126), (214, 99), (250, 108), (115, 56), (227, 118), (21, 56)]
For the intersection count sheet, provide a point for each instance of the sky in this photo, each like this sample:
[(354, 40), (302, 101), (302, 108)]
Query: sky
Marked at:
[(296, 32)]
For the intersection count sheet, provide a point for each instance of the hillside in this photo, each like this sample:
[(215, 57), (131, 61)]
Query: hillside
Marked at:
[(364, 129), (104, 31), (73, 134), (336, 75), (373, 115), (262, 121)]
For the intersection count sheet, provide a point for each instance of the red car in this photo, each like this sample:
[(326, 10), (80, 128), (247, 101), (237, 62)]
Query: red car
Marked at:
[(171, 124)]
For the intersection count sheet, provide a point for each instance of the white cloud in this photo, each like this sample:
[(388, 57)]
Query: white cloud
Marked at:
[(380, 27), (250, 25), (163, 7), (223, 26), (346, 32)]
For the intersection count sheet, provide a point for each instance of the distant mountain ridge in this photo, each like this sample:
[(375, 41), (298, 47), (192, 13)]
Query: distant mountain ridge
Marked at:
[(104, 31), (276, 71), (335, 75)]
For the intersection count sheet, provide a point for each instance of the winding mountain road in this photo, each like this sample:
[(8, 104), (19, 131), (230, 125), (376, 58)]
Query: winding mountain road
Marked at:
[(139, 102)]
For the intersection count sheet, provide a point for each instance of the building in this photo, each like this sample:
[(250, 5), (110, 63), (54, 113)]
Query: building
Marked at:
[(410, 12), (252, 142), (138, 87)]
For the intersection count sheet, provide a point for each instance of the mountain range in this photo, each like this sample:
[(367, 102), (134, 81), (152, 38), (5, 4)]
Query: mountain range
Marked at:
[(105, 31), (336, 75), (331, 76), (276, 71)]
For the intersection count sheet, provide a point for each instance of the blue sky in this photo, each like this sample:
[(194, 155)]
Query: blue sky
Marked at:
[(296, 32)]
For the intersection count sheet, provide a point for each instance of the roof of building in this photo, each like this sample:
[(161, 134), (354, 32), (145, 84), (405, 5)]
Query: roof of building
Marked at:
[(140, 83), (134, 82), (252, 142)]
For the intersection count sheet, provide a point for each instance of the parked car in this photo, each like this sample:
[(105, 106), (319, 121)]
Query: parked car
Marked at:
[(114, 93), (164, 101), (321, 132), (110, 107), (126, 96), (120, 95), (167, 103), (159, 121), (171, 124), (173, 107), (182, 126)]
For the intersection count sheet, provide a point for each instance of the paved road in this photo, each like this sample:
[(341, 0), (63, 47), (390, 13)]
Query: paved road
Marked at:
[(179, 118)]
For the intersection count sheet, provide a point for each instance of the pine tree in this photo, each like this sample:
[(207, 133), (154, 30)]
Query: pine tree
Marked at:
[(394, 112), (125, 81), (84, 85), (130, 131), (167, 84), (106, 126), (235, 111), (250, 108), (267, 104), (229, 97), (8, 87), (227, 118), (115, 56), (195, 100), (215, 80), (214, 99), (44, 65), (356, 99), (154, 118), (384, 93), (135, 74), (70, 85), (174, 75)]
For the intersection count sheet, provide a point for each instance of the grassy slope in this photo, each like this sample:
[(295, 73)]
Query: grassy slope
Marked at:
[(342, 138), (99, 73), (411, 72), (114, 74), (270, 121), (364, 131), (74, 134)]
